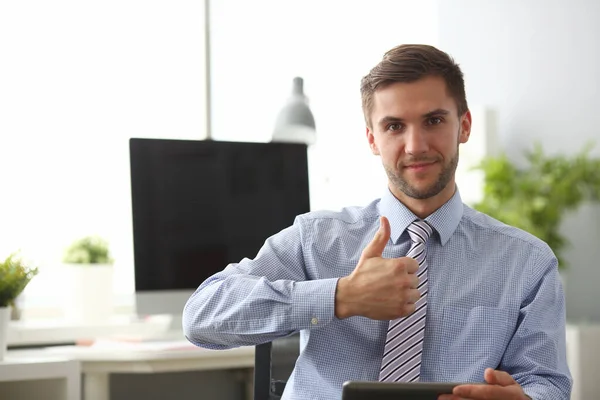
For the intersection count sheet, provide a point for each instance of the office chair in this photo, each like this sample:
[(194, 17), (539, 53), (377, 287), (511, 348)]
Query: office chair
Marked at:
[(273, 364)]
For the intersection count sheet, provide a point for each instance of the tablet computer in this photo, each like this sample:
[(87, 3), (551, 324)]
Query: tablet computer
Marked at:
[(357, 390)]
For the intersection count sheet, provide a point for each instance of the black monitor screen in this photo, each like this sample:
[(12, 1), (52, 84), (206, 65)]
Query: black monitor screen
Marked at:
[(199, 205)]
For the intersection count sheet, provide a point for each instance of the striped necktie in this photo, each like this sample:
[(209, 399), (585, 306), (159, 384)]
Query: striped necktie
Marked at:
[(404, 343)]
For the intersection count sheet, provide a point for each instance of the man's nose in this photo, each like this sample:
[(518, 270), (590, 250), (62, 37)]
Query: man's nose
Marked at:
[(416, 141)]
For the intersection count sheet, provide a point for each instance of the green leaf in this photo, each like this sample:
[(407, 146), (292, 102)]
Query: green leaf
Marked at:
[(14, 277), (537, 196), (88, 250)]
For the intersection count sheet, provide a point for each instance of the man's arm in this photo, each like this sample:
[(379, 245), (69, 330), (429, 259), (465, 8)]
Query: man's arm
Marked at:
[(255, 301), (536, 355)]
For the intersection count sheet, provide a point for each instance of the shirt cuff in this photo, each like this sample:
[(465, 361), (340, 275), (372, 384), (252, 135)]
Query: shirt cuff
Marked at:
[(313, 303)]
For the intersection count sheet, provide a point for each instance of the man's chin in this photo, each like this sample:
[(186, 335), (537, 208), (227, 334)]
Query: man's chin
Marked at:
[(420, 195), (420, 192)]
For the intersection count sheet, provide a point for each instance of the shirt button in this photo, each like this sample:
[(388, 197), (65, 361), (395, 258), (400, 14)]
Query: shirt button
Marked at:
[(314, 321)]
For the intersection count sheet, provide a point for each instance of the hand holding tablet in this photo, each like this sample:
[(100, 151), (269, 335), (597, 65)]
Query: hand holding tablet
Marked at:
[(497, 385), (356, 390)]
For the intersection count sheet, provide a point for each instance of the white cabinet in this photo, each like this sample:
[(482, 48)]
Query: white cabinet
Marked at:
[(583, 356), (43, 379)]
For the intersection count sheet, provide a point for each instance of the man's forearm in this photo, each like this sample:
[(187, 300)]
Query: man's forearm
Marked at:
[(243, 310)]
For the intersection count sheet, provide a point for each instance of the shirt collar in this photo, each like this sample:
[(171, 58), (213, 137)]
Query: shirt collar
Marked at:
[(444, 220)]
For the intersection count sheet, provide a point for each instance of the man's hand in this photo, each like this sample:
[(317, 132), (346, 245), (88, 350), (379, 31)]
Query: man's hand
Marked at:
[(500, 386), (378, 288)]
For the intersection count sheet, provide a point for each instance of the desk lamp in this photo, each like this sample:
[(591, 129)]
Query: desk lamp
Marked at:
[(295, 121)]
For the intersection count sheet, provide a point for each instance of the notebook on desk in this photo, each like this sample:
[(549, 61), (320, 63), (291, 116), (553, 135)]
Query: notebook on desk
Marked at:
[(356, 390)]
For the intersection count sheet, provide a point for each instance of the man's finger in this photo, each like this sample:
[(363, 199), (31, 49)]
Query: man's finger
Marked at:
[(495, 377), (412, 266), (477, 391), (450, 397), (377, 245)]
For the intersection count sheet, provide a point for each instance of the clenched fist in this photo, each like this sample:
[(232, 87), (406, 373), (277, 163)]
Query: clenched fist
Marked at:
[(378, 288)]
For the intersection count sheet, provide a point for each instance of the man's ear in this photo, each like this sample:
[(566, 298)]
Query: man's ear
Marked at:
[(371, 140), (465, 128)]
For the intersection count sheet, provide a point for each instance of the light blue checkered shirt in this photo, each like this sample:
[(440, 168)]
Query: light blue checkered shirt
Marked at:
[(495, 300)]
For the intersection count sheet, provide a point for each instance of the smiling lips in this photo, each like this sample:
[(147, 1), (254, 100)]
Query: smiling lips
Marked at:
[(420, 166)]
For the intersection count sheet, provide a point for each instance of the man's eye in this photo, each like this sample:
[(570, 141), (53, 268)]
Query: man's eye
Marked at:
[(394, 127), (434, 121)]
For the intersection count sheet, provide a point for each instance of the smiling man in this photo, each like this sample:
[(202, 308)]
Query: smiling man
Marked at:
[(415, 286), (416, 128)]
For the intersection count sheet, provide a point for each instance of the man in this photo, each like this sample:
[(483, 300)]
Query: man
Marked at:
[(416, 286)]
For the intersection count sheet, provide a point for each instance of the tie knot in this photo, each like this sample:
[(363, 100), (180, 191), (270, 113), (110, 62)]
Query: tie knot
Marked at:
[(419, 231)]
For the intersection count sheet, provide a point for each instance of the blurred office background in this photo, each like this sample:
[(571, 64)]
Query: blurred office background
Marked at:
[(79, 78)]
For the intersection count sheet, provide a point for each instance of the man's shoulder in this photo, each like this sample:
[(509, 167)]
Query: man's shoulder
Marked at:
[(481, 223), (346, 215)]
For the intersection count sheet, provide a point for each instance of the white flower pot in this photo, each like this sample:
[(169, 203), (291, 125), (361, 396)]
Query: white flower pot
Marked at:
[(4, 320), (89, 293)]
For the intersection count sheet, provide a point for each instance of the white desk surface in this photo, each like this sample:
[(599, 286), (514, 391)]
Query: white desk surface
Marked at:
[(26, 333), (144, 357)]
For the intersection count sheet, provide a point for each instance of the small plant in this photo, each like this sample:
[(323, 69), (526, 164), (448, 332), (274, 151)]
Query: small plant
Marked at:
[(14, 277), (88, 250), (537, 197)]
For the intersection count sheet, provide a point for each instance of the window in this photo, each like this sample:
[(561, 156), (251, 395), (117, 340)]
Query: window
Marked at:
[(77, 80)]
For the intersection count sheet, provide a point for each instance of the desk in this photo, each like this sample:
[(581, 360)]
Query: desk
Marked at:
[(47, 378), (98, 362)]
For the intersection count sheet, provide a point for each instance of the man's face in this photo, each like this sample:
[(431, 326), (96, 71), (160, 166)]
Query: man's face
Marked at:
[(416, 130)]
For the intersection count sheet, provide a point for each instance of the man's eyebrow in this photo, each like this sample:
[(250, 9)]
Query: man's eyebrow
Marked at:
[(439, 111), (389, 119)]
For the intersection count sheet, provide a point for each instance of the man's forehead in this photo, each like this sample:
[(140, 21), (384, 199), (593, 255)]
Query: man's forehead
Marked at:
[(410, 100)]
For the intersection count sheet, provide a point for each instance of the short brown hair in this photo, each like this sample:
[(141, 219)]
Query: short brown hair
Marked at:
[(409, 63)]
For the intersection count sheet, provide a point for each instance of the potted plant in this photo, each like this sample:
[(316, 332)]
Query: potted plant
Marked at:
[(536, 197), (89, 250), (89, 270), (15, 275)]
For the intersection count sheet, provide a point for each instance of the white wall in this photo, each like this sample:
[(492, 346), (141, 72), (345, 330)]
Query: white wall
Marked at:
[(260, 46), (536, 63)]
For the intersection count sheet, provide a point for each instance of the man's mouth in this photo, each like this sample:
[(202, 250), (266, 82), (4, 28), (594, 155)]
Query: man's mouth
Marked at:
[(419, 166)]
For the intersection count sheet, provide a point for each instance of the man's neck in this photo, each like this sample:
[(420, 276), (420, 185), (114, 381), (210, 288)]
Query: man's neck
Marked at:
[(423, 208)]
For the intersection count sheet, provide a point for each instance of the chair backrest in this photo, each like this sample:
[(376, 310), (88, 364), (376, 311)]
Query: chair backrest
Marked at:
[(273, 364)]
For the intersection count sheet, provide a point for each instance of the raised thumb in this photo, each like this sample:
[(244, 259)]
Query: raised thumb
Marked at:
[(377, 245)]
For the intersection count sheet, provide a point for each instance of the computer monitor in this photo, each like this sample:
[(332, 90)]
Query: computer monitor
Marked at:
[(199, 205)]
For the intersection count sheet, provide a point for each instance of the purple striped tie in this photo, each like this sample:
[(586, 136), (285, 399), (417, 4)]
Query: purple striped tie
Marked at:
[(404, 343)]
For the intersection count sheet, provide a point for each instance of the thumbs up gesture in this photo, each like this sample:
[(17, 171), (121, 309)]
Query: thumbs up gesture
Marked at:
[(378, 288)]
